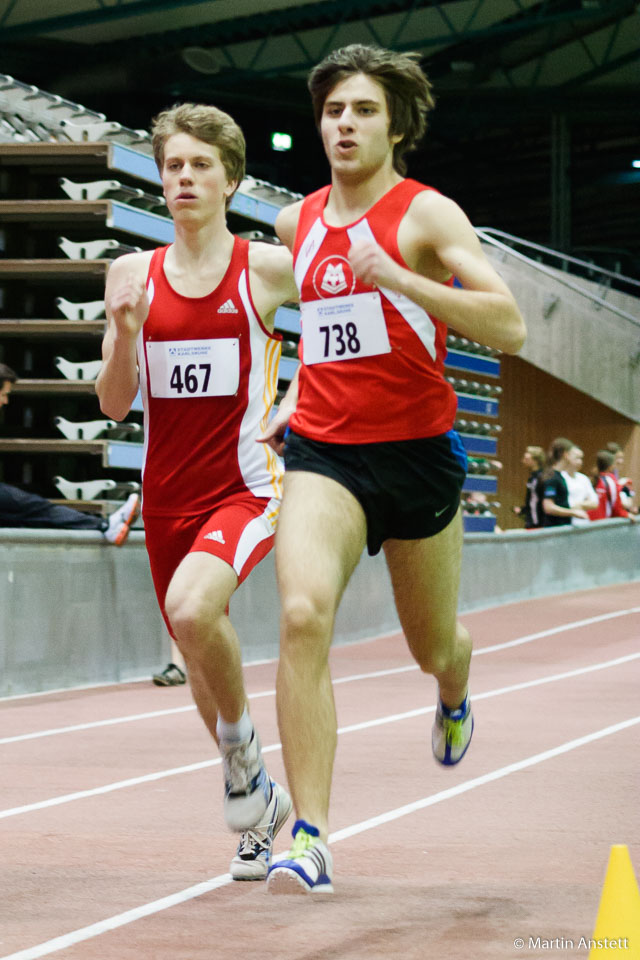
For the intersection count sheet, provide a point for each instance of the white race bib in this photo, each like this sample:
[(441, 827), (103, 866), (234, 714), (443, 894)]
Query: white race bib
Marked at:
[(344, 328), (194, 368)]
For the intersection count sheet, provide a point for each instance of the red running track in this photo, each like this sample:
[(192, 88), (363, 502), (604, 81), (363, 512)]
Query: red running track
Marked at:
[(114, 847)]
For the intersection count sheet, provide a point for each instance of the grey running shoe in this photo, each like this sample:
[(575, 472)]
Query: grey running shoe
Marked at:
[(247, 787), (253, 856)]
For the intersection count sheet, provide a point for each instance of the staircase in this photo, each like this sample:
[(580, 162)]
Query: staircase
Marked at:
[(583, 321)]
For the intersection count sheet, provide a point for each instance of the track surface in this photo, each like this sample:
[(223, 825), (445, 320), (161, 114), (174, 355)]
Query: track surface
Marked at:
[(113, 845)]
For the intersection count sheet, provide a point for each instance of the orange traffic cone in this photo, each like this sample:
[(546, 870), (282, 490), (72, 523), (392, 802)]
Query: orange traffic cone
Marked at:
[(618, 924)]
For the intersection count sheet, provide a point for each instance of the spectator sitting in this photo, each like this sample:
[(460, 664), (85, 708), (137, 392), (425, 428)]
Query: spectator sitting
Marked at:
[(552, 489), (21, 509), (581, 492), (533, 458), (606, 488)]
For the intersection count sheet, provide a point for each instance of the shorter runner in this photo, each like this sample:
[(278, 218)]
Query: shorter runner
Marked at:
[(191, 325)]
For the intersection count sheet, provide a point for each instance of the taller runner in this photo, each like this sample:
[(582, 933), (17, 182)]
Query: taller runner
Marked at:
[(371, 457), (191, 325)]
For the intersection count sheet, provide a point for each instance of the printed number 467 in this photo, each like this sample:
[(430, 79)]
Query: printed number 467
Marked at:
[(349, 331), (190, 383)]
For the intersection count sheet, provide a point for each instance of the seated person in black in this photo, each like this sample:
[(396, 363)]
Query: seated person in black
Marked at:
[(20, 509)]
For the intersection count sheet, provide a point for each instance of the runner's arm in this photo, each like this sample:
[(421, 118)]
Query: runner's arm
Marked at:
[(274, 434), (127, 307), (483, 310)]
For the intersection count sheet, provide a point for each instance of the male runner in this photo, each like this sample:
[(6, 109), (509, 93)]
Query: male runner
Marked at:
[(191, 324), (371, 458)]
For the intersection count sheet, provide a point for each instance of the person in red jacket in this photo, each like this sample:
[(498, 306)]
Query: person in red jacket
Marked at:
[(606, 487)]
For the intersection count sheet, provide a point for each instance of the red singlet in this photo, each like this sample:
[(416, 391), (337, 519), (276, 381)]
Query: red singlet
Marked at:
[(208, 376), (400, 394)]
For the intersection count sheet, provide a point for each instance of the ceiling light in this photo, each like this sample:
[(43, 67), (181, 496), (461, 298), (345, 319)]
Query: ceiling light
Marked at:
[(201, 59)]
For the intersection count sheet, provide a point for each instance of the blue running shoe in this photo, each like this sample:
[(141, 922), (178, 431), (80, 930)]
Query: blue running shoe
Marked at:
[(253, 856), (452, 731), (247, 787), (306, 868)]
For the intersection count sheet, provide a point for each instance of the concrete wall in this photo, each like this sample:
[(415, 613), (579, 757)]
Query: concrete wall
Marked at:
[(74, 611), (576, 340)]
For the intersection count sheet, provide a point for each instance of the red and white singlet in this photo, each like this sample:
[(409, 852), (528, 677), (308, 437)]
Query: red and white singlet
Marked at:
[(372, 360), (208, 376)]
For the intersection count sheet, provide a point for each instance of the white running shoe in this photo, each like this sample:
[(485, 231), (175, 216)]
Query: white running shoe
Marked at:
[(306, 868), (121, 519), (252, 859), (247, 787), (451, 733)]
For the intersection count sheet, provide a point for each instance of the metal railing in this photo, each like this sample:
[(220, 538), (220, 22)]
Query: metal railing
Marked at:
[(489, 235), (593, 269)]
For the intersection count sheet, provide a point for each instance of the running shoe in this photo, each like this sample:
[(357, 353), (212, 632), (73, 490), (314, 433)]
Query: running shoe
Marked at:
[(121, 519), (171, 676), (451, 734), (247, 787), (306, 868), (253, 856)]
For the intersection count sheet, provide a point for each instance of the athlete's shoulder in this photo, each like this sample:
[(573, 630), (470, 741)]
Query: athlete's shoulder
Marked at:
[(287, 222), (266, 258), (429, 202), (131, 263)]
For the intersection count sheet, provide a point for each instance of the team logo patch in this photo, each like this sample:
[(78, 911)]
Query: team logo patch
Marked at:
[(228, 307), (333, 276), (215, 535)]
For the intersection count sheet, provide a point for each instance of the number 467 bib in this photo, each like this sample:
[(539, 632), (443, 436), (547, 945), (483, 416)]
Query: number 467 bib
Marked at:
[(194, 368), (344, 328)]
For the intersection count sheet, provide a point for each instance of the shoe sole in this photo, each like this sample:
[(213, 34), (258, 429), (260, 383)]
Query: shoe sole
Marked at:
[(279, 824), (288, 881)]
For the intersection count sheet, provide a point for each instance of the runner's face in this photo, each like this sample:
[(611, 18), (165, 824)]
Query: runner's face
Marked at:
[(194, 180), (355, 127)]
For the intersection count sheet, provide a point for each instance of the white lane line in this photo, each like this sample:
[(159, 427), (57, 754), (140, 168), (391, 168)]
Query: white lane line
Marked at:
[(93, 724), (120, 920), (156, 906), (409, 808), (131, 718), (352, 728), (575, 625)]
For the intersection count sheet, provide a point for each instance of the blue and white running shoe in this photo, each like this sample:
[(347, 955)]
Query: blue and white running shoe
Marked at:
[(306, 868), (451, 733)]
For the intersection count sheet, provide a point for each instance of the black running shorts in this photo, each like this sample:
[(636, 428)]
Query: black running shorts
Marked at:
[(408, 489)]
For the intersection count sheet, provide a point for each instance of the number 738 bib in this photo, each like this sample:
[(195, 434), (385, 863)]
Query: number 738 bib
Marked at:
[(194, 368), (344, 328)]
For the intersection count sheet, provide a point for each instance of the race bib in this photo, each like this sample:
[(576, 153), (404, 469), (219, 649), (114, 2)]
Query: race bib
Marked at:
[(193, 368), (344, 328)]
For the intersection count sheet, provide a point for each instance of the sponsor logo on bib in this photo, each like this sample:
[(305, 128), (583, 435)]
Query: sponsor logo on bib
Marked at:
[(333, 276)]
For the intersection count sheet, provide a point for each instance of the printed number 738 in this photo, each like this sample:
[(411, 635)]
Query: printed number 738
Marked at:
[(350, 331)]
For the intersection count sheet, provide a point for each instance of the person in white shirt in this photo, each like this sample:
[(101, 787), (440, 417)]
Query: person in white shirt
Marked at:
[(581, 493)]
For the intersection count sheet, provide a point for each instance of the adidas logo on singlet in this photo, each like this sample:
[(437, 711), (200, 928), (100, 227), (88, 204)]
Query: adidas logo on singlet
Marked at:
[(215, 534), (228, 307)]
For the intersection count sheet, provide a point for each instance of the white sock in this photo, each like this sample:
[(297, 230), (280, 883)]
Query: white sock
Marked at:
[(235, 732)]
